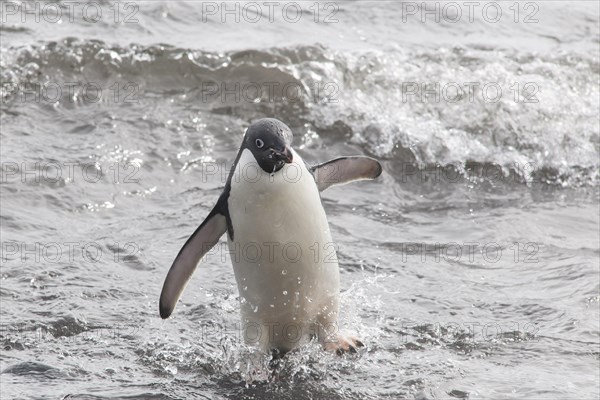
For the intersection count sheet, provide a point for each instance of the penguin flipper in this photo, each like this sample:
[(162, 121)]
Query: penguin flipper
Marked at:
[(201, 241), (340, 171)]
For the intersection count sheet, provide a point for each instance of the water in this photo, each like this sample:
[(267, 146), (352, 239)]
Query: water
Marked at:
[(470, 268)]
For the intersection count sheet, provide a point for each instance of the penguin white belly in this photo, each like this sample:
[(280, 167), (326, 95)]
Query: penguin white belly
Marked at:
[(282, 253)]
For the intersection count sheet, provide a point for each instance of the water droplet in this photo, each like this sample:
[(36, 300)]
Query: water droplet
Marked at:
[(285, 293), (284, 272)]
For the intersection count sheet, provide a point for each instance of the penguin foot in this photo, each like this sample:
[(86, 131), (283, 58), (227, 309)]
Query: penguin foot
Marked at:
[(344, 344)]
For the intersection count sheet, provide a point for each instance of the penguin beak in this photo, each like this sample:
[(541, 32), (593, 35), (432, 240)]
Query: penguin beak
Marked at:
[(284, 155)]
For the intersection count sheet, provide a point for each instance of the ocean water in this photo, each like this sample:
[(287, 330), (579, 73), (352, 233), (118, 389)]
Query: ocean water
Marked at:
[(470, 268)]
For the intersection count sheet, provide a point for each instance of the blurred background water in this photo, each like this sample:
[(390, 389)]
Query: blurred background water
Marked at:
[(470, 268)]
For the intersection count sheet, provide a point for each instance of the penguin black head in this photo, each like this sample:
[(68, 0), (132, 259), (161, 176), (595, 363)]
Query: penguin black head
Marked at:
[(270, 142)]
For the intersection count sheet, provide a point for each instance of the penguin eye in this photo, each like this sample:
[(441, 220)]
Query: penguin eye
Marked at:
[(259, 143)]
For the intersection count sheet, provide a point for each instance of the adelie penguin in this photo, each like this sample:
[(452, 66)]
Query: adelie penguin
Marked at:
[(280, 244)]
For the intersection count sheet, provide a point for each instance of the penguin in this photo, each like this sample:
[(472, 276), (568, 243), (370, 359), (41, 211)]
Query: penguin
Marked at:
[(280, 244)]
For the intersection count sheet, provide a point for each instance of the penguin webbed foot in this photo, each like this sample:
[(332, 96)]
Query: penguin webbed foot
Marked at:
[(344, 344)]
